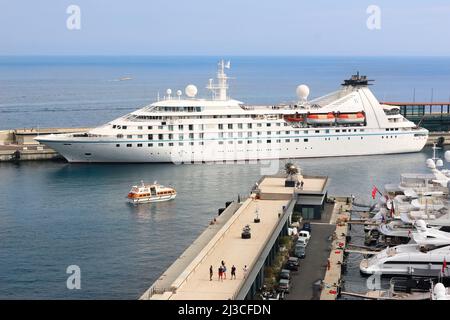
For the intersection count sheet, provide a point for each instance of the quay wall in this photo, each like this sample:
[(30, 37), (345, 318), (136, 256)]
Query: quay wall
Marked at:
[(19, 144), (434, 136)]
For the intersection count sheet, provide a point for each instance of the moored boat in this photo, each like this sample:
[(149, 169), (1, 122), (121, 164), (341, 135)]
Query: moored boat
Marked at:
[(188, 129)]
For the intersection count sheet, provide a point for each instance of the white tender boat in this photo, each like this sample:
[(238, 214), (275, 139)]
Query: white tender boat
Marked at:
[(150, 193)]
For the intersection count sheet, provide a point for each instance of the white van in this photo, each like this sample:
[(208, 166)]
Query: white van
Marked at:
[(303, 238)]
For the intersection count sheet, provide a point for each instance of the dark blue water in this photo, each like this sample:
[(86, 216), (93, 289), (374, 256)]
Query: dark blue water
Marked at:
[(53, 215)]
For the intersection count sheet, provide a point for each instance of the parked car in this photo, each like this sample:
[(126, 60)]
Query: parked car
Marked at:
[(293, 264), (303, 234), (300, 251), (302, 242), (307, 227), (270, 295), (273, 295), (303, 238), (285, 274), (284, 285)]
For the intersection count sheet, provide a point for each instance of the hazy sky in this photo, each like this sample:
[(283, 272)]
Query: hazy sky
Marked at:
[(231, 27)]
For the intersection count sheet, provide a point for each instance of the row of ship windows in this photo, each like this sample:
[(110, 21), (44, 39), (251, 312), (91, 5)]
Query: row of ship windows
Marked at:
[(161, 136), (190, 127), (232, 126), (201, 143), (228, 116)]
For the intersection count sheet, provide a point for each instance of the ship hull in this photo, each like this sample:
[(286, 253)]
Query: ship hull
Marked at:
[(151, 199), (211, 151)]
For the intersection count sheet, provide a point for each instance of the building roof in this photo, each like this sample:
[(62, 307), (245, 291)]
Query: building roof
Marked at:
[(310, 200)]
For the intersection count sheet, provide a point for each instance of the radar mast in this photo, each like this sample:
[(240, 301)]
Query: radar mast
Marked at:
[(219, 89)]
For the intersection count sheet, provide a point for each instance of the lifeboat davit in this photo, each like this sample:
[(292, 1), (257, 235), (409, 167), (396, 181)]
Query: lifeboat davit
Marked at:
[(316, 118), (345, 118)]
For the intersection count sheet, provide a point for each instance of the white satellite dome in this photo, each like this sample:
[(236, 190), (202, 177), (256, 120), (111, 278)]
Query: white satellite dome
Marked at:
[(191, 91), (421, 225), (430, 164), (169, 92), (439, 163), (179, 93), (447, 156), (302, 92), (439, 291)]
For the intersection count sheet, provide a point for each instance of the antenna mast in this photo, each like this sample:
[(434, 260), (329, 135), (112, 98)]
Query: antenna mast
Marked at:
[(220, 88)]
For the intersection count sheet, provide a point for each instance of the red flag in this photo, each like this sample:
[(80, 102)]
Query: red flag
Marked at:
[(374, 192), (444, 265)]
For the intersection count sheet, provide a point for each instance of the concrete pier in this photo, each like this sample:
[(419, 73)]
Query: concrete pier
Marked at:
[(435, 136), (19, 144), (332, 279), (188, 276)]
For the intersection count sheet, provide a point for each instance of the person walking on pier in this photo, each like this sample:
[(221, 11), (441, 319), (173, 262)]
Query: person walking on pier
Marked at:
[(211, 273), (245, 269), (220, 273), (224, 270), (233, 272)]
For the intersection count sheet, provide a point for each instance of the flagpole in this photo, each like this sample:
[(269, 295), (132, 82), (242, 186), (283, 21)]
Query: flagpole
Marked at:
[(379, 191)]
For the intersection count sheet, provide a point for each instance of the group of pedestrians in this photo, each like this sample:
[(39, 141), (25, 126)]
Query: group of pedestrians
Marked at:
[(222, 272)]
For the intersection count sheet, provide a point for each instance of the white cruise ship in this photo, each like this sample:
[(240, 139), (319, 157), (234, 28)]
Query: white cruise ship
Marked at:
[(186, 129)]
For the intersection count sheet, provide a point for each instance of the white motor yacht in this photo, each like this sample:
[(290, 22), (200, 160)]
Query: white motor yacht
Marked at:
[(429, 250)]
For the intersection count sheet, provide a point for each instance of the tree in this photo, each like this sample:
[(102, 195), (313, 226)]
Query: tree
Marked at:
[(291, 170)]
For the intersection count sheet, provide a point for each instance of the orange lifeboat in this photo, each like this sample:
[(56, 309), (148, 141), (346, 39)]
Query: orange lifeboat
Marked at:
[(320, 118), (346, 118), (294, 118)]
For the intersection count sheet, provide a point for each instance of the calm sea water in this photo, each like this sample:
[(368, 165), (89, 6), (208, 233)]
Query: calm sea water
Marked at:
[(53, 215), (75, 91)]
